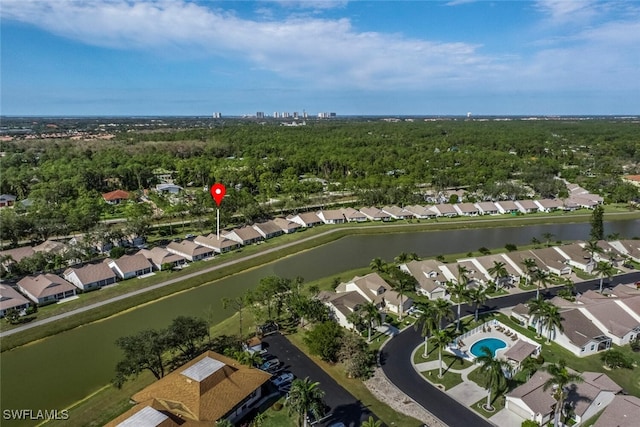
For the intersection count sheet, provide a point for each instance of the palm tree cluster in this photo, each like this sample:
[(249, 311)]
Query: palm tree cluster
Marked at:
[(559, 381), (547, 316), (305, 397)]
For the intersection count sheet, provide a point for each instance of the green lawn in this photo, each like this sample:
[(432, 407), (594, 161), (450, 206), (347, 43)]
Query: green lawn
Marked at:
[(497, 402), (449, 360), (448, 380)]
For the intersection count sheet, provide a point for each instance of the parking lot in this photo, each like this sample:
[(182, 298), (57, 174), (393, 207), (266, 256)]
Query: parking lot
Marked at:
[(344, 407)]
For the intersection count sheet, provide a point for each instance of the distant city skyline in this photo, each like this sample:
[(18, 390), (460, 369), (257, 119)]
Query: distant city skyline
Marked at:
[(195, 58)]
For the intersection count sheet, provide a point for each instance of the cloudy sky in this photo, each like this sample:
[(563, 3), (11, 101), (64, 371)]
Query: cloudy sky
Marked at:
[(189, 57)]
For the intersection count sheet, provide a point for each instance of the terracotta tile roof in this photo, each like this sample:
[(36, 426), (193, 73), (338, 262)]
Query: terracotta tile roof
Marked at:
[(45, 285), (206, 388), (115, 195), (91, 273)]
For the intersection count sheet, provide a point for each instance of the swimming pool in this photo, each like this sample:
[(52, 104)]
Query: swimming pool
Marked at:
[(492, 343)]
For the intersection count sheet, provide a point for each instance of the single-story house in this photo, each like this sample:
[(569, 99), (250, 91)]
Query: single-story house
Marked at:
[(286, 225), (190, 250), (579, 335), (51, 246), (169, 188), (623, 411), (244, 235), (46, 288), (209, 388), (466, 209), (589, 397), (530, 401), (116, 197), (608, 316), (629, 248), (219, 245), (487, 208), (268, 229), (90, 276), (475, 276), (11, 299), (353, 215), (342, 304), (333, 216), (507, 207), (519, 351), (444, 209), (527, 206), (576, 256), (420, 212), (128, 266), (487, 262), (549, 205), (16, 255), (7, 200), (397, 212), (374, 289), (374, 214), (161, 256), (431, 281), (552, 261), (306, 219)]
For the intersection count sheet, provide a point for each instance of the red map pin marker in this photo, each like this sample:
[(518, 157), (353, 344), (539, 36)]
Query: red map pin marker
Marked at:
[(217, 192)]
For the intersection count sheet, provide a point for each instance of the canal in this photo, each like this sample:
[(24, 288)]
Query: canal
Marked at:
[(57, 371)]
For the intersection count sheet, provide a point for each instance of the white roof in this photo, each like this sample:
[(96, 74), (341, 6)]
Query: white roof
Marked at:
[(146, 417), (203, 369)]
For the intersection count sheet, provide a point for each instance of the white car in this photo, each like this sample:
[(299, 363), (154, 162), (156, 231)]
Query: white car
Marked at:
[(282, 379)]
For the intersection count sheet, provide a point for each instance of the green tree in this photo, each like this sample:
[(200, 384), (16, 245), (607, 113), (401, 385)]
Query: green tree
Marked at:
[(402, 284), (142, 351), (441, 339), (371, 422), (186, 334), (552, 320), (615, 359), (371, 316), (597, 223), (324, 340), (604, 269), (499, 273), (355, 356), (537, 310), (541, 279), (427, 323), (459, 291), (377, 264), (560, 379), (443, 311), (493, 370), (530, 266), (248, 358), (547, 236), (529, 365), (305, 396), (477, 296), (237, 304)]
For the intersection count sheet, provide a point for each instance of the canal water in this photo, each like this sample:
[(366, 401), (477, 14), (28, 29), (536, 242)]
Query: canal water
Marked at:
[(57, 371)]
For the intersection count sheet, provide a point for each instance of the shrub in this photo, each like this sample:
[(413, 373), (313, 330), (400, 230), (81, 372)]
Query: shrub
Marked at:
[(510, 247), (635, 344), (529, 423), (615, 359), (277, 406), (484, 250)]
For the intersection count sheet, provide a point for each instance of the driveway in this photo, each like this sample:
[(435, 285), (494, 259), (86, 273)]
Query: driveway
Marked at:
[(344, 406)]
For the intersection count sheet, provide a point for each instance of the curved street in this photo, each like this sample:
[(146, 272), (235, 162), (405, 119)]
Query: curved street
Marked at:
[(395, 359)]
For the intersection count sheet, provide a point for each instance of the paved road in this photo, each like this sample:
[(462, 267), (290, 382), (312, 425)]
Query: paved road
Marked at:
[(344, 406), (396, 359)]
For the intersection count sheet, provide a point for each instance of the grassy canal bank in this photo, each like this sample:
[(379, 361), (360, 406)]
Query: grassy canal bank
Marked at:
[(251, 257)]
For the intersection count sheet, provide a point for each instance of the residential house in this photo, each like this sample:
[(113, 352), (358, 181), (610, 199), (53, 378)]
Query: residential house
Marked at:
[(169, 188), (466, 209), (487, 262), (623, 411), (507, 207), (628, 248), (420, 212), (7, 200), (333, 216), (46, 288), (583, 202), (431, 281), (352, 215), (11, 299), (374, 289), (128, 266), (609, 253), (306, 219), (244, 235), (90, 276), (160, 257), (549, 205), (191, 250), (552, 261), (397, 213), (287, 226), (527, 206), (219, 245), (632, 179), (12, 256), (209, 388), (608, 316), (374, 214), (487, 208), (475, 276), (51, 246), (576, 256), (268, 229), (342, 304), (116, 197), (532, 402), (570, 205), (444, 209), (148, 414), (579, 334), (518, 352)]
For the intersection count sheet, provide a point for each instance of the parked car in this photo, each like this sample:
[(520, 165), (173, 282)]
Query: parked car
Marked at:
[(270, 365), (283, 378)]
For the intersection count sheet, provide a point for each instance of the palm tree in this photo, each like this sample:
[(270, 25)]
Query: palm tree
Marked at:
[(547, 237), (459, 291), (529, 265), (552, 320), (498, 271), (429, 323), (462, 274), (592, 248), (371, 315), (560, 379), (377, 264), (493, 370), (305, 396), (540, 278), (443, 311), (441, 339), (371, 422), (404, 283), (402, 258), (537, 311), (604, 269), (530, 366), (477, 296), (249, 358), (414, 257)]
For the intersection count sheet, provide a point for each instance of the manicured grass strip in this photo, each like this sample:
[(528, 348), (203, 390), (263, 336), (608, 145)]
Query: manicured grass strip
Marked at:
[(448, 380), (497, 403), (389, 416)]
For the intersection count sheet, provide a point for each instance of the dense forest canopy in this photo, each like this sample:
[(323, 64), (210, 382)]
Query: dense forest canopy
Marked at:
[(380, 161)]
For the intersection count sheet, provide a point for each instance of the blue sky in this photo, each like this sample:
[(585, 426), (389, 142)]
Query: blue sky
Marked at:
[(179, 57)]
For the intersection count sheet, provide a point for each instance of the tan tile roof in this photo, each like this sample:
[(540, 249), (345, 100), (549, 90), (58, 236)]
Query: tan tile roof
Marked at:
[(527, 204), (610, 314), (584, 393), (45, 285), (351, 213), (91, 273), (206, 388), (533, 394), (189, 248), (131, 263), (286, 225), (420, 270), (446, 208), (374, 212), (268, 227), (18, 254), (467, 207), (213, 242), (578, 328), (623, 411), (247, 233), (520, 351), (332, 214), (10, 298), (50, 246)]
